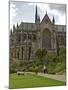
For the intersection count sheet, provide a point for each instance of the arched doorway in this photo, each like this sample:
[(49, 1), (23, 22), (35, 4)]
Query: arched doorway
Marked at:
[(46, 39)]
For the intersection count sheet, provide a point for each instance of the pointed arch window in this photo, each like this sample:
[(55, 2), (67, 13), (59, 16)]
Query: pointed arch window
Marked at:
[(24, 37), (34, 37), (29, 36)]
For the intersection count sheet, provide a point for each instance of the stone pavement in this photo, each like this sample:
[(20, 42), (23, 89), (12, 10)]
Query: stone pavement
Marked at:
[(52, 76), (56, 77)]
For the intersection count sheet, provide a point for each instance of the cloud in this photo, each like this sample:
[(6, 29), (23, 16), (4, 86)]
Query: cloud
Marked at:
[(42, 8), (59, 7), (62, 21), (56, 10), (12, 14), (21, 11), (59, 12)]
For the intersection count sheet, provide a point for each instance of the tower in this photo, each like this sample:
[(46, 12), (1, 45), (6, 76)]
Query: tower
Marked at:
[(53, 21), (11, 32), (17, 26), (14, 28), (37, 17)]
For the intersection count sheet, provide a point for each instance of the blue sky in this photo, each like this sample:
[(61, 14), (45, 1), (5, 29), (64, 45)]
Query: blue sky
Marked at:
[(25, 12)]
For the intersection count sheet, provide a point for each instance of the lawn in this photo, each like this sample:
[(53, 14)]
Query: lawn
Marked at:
[(29, 81)]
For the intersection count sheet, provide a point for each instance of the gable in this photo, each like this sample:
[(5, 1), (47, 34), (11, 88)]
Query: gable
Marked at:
[(46, 19)]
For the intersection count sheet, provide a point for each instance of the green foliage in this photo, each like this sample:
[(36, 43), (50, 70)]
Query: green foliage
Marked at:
[(31, 69), (58, 63), (54, 63), (50, 58), (38, 54), (44, 52), (62, 51), (16, 65), (59, 67)]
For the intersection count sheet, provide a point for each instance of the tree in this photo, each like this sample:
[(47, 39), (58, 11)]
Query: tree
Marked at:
[(14, 66), (41, 54), (17, 65), (38, 54), (44, 53), (62, 55)]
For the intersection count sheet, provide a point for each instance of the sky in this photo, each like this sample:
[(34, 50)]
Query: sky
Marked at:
[(25, 12)]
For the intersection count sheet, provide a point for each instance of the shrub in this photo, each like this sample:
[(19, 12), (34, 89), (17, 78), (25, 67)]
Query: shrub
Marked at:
[(31, 69), (15, 66), (59, 67), (36, 70)]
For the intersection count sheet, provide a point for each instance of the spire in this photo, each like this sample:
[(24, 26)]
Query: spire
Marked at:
[(46, 12), (14, 28), (37, 17), (53, 20), (17, 26), (11, 32)]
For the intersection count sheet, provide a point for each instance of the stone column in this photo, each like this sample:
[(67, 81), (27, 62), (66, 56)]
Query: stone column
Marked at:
[(39, 40), (21, 37), (15, 52), (20, 53), (55, 40), (52, 42), (24, 53)]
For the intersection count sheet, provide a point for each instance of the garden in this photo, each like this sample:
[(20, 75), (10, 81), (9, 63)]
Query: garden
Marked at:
[(54, 63)]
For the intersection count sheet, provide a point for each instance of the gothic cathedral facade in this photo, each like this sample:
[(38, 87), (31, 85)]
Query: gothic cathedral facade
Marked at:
[(26, 38)]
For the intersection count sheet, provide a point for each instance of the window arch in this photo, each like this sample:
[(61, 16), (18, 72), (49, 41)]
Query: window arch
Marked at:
[(29, 36), (46, 39), (24, 37), (34, 37)]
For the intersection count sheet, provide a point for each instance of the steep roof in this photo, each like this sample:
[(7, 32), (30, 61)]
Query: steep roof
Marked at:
[(27, 26), (46, 19)]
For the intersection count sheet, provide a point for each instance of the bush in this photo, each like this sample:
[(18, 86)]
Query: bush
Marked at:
[(59, 67), (13, 70), (16, 65), (50, 69), (53, 62), (31, 69), (36, 70)]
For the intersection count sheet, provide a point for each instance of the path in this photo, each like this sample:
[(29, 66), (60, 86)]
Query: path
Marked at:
[(56, 77)]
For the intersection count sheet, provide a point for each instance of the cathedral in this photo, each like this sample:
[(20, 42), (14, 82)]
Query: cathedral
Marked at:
[(26, 38)]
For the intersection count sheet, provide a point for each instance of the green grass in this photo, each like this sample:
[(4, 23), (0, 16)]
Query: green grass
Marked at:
[(29, 81)]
